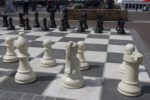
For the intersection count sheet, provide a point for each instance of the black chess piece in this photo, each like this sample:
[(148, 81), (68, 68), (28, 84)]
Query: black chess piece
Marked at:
[(10, 24), (65, 16), (27, 26), (118, 23), (85, 20), (121, 27), (5, 21), (21, 20), (52, 23), (44, 27), (81, 27), (99, 26), (36, 23), (63, 25)]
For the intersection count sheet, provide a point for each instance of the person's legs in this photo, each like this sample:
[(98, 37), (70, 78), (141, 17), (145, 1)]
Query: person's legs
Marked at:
[(24, 8), (27, 7)]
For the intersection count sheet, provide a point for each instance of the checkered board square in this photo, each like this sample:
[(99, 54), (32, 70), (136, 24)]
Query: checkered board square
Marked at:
[(104, 53)]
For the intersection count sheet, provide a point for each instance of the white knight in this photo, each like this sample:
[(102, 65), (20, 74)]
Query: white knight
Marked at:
[(81, 49), (72, 75)]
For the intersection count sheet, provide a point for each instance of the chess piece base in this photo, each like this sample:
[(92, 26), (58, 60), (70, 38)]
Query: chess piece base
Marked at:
[(48, 63), (25, 77), (80, 30), (10, 59), (62, 29), (97, 30), (72, 83), (129, 89), (84, 66), (11, 28)]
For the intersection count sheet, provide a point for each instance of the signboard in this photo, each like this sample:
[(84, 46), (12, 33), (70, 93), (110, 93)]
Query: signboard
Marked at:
[(146, 0)]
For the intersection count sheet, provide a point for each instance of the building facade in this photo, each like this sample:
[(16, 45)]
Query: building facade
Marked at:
[(134, 4)]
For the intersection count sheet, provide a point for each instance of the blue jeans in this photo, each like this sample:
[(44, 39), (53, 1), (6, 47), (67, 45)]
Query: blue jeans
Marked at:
[(9, 6)]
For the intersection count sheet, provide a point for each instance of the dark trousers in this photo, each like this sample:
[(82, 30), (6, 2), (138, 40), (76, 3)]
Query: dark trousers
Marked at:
[(25, 8)]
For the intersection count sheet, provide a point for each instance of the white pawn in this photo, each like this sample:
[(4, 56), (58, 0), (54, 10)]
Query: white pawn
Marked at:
[(47, 61), (24, 73), (10, 55), (128, 51), (72, 76), (81, 49), (129, 84)]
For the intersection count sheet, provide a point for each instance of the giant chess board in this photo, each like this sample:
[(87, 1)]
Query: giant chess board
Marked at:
[(104, 53)]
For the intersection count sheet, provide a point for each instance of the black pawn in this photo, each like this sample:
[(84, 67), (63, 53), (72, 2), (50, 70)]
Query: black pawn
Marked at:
[(10, 24), (81, 27), (118, 23), (44, 27), (36, 23), (21, 20), (99, 26), (65, 17), (85, 20), (5, 21), (63, 25), (27, 26), (121, 27), (52, 23)]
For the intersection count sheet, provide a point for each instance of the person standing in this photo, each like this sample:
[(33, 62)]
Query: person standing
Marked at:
[(57, 5), (25, 7), (9, 6)]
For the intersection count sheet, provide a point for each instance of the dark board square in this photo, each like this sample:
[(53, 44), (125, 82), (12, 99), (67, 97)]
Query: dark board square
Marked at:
[(86, 32), (67, 39), (2, 50), (2, 40), (98, 36), (120, 42), (115, 33), (95, 70), (32, 38), (17, 96), (114, 57), (7, 95), (96, 47), (56, 34), (110, 91), (56, 53), (37, 87), (36, 44), (8, 65), (27, 97), (39, 97)]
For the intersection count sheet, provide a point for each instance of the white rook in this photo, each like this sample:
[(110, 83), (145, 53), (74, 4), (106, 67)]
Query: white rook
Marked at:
[(129, 84)]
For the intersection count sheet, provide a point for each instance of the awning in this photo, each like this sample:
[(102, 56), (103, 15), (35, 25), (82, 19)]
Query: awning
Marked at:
[(146, 0)]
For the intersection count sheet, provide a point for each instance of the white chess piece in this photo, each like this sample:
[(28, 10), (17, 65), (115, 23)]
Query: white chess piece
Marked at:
[(72, 75), (24, 73), (81, 49), (129, 84), (128, 50), (47, 60), (10, 55)]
